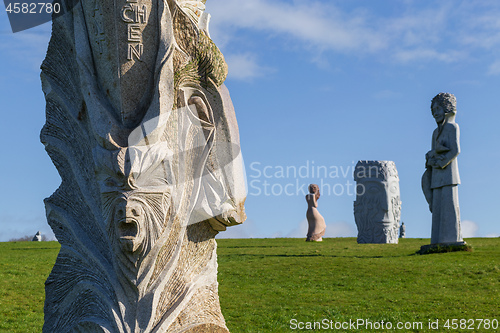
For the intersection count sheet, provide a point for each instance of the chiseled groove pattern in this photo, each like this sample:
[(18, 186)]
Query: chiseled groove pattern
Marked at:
[(78, 289), (56, 67), (198, 246), (199, 59), (72, 267), (70, 156), (206, 301), (80, 294), (167, 250)]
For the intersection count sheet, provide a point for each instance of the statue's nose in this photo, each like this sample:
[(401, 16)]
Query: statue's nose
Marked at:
[(385, 204), (128, 209), (133, 210)]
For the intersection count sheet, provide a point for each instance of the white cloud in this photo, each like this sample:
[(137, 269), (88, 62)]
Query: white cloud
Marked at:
[(482, 29), (469, 228), (312, 23), (245, 230), (386, 94), (425, 54), (250, 230), (340, 229), (17, 227), (494, 68), (418, 26), (29, 45), (245, 67), (300, 231), (334, 229), (442, 31)]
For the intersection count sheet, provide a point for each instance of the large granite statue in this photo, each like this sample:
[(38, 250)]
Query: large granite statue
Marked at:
[(440, 180), (377, 209), (144, 136), (316, 222)]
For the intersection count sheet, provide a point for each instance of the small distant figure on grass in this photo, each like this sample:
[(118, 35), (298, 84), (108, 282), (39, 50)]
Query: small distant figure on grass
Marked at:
[(317, 225), (402, 230), (37, 237)]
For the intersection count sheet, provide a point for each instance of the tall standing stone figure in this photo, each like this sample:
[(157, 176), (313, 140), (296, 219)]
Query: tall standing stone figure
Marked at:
[(377, 209), (440, 180), (144, 136), (317, 226)]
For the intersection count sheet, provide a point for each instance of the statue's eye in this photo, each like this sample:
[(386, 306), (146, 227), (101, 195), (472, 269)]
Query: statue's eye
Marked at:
[(110, 182), (201, 108)]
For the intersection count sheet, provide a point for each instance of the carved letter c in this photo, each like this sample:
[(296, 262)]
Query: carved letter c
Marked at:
[(125, 9)]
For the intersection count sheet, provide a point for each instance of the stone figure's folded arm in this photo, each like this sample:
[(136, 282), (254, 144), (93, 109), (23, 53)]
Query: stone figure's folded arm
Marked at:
[(441, 148), (446, 158)]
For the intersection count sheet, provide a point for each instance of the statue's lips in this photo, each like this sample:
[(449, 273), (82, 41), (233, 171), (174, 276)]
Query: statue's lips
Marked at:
[(128, 229)]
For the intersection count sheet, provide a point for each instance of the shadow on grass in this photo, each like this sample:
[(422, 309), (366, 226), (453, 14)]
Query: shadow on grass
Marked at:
[(254, 246), (34, 248), (310, 256)]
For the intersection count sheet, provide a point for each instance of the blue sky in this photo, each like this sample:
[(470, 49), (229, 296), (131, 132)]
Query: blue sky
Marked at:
[(314, 84)]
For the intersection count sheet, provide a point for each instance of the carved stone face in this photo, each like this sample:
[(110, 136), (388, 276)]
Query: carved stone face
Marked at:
[(129, 218), (383, 195), (135, 194), (438, 112), (136, 219), (377, 209)]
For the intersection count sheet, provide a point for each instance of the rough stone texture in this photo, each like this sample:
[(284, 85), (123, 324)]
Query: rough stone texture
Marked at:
[(317, 225), (207, 328), (441, 178), (37, 237), (402, 230), (144, 136), (377, 209)]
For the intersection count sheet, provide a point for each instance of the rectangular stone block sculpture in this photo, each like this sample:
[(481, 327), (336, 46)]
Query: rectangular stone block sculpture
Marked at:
[(144, 136), (377, 209)]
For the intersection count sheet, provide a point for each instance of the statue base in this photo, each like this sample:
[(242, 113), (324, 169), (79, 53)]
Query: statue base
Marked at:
[(444, 247)]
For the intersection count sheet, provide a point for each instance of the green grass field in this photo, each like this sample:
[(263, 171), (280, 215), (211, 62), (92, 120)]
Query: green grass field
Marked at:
[(274, 285)]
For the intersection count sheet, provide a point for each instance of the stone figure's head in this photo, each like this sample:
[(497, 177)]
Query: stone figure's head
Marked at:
[(377, 207), (129, 216), (444, 105), (314, 189), (136, 196), (137, 222), (199, 71), (136, 219)]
